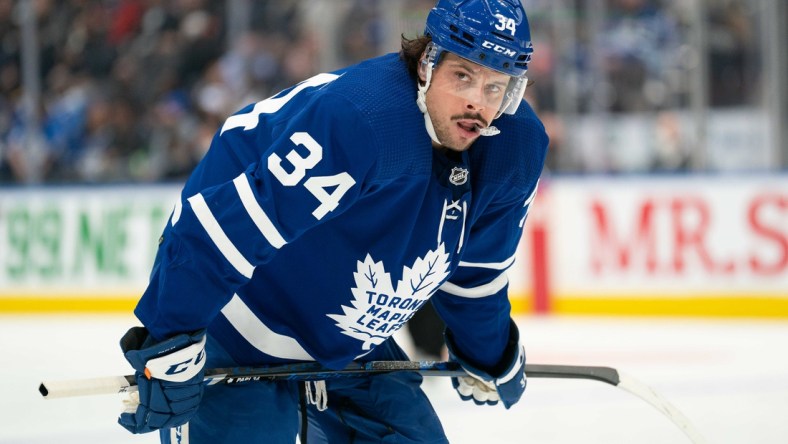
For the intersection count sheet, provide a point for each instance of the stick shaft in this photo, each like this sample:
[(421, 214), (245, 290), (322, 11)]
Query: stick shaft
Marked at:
[(313, 371)]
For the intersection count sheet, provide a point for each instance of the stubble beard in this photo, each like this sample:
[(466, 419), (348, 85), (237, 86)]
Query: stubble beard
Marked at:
[(444, 135)]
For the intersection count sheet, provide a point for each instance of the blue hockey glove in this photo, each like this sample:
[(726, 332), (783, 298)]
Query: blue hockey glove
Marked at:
[(506, 384), (169, 377)]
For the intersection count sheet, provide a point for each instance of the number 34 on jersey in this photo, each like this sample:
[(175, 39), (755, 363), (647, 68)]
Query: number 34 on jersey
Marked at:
[(319, 186)]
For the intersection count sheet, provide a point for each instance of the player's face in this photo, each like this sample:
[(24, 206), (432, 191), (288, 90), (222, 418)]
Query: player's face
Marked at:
[(463, 97)]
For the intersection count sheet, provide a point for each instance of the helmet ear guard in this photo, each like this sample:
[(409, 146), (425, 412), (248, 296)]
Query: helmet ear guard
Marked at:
[(426, 65), (515, 96), (428, 59), (423, 67)]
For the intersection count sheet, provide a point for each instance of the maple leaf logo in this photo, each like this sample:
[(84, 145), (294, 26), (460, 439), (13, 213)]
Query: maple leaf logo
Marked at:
[(378, 308)]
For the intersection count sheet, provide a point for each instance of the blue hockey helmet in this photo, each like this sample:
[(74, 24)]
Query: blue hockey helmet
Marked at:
[(491, 33)]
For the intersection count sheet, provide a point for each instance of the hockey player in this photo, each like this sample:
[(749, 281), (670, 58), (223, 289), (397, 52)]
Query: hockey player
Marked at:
[(323, 217)]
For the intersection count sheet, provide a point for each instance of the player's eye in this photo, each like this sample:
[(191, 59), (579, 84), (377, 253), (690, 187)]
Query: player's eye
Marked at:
[(462, 76), (494, 89)]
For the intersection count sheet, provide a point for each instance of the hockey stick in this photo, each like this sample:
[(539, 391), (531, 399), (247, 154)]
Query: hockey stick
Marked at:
[(312, 371)]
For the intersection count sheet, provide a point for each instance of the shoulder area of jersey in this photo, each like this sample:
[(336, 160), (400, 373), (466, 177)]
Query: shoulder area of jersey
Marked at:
[(380, 82)]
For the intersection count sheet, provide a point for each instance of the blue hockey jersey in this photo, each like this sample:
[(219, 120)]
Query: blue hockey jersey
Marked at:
[(322, 218)]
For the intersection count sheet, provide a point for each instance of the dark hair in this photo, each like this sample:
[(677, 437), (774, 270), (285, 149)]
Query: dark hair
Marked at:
[(411, 52)]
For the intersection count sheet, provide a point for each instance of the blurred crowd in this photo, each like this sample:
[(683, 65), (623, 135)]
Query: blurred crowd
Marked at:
[(133, 90), (598, 61)]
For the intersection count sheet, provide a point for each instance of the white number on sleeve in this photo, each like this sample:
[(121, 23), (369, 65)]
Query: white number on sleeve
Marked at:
[(328, 201), (271, 105), (300, 164), (317, 185)]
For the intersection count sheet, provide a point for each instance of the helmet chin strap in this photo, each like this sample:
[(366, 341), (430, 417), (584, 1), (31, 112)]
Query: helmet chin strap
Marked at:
[(421, 101)]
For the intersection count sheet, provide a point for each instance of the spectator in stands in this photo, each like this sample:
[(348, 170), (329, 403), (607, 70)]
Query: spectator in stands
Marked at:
[(639, 44)]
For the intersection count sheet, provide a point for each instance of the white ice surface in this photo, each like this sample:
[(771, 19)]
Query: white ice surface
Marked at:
[(730, 378)]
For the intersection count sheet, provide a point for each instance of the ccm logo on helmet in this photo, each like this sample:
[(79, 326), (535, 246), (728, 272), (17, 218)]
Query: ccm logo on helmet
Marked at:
[(499, 49)]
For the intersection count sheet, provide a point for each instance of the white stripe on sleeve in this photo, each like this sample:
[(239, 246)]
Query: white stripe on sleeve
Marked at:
[(176, 212), (218, 236), (257, 214), (527, 203), (259, 335), (490, 265), (533, 195), (515, 370), (477, 292)]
